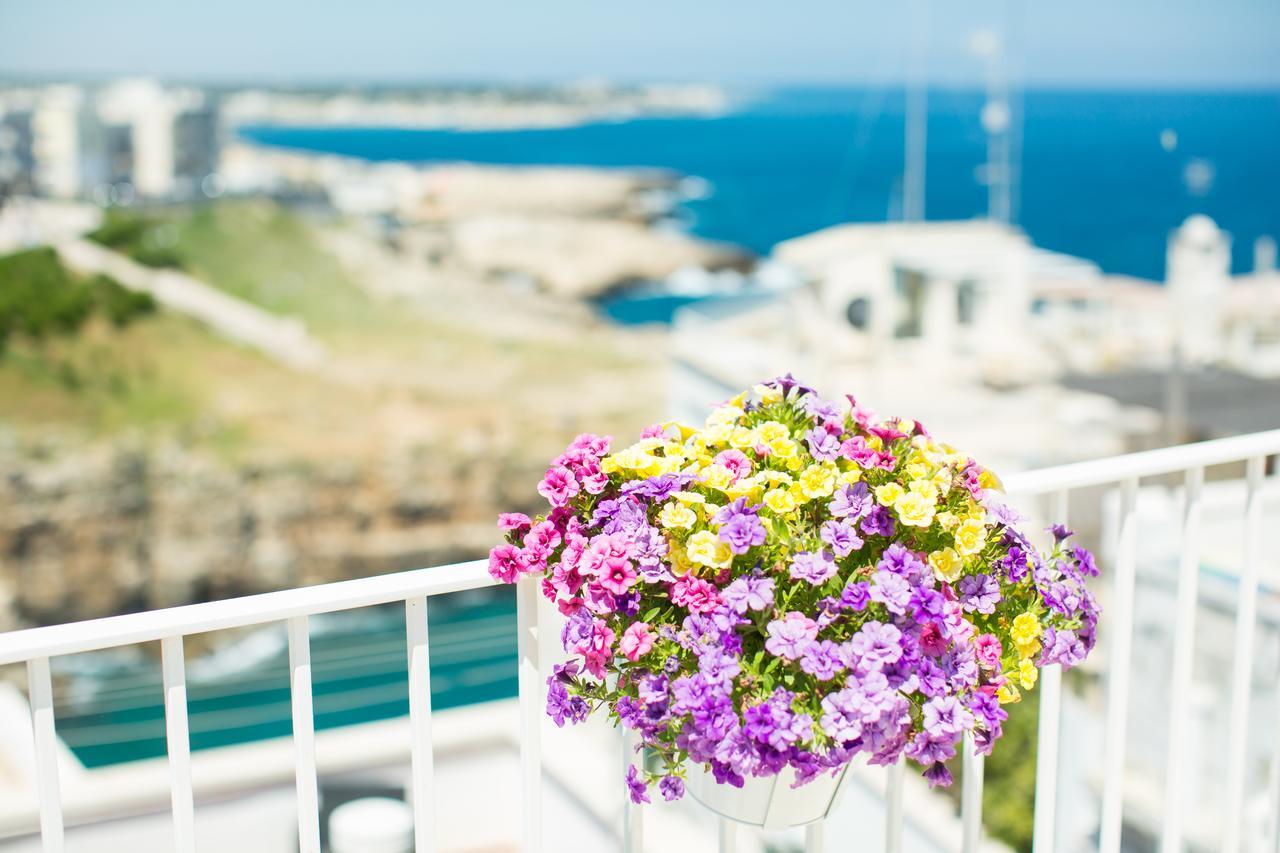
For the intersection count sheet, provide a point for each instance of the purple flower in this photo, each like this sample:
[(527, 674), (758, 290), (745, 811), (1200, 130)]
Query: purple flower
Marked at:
[(813, 567), (671, 787), (900, 560), (718, 668), (1060, 532), (852, 501), (879, 522), (1084, 561), (790, 635), (892, 590), (980, 593), (937, 774), (1002, 512), (823, 445), (856, 596), (945, 717), (822, 659), (636, 786), (657, 489), (561, 706), (742, 532), (816, 407), (842, 536), (748, 593), (874, 647)]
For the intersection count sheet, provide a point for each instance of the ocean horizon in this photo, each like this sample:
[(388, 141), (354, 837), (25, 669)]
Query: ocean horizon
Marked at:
[(1105, 174)]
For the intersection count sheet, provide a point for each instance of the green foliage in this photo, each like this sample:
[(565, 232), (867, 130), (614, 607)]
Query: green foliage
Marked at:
[(1009, 777), (149, 240), (40, 298)]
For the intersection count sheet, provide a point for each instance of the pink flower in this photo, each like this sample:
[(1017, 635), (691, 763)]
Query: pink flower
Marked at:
[(931, 641), (959, 628), (636, 641), (597, 650), (736, 461), (558, 486), (989, 652), (791, 635), (504, 563), (517, 521), (603, 547), (617, 575), (593, 479), (695, 594), (542, 538)]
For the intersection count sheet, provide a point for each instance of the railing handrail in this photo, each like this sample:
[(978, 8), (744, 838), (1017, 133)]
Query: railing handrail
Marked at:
[(1145, 463), (152, 625)]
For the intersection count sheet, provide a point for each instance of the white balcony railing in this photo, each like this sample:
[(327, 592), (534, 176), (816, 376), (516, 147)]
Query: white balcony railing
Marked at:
[(36, 646)]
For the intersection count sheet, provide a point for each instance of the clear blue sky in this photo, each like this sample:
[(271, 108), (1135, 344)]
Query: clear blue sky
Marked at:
[(1089, 42)]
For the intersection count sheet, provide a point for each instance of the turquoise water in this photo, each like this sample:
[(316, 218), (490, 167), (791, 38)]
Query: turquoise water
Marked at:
[(359, 675), (1096, 180)]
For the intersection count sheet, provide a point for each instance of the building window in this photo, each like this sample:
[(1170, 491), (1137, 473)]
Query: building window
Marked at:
[(858, 312), (909, 286), (966, 303)]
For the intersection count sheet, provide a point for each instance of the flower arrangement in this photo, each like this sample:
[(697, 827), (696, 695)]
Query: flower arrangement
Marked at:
[(794, 584)]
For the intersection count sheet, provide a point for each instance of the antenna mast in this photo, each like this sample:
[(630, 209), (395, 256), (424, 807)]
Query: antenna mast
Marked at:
[(916, 127)]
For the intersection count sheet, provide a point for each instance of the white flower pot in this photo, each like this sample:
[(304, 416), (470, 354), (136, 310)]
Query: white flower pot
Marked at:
[(769, 801)]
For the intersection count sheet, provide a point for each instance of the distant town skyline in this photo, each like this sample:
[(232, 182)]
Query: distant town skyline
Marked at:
[(1142, 43)]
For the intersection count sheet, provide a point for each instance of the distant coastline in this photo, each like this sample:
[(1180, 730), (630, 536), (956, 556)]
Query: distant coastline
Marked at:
[(1095, 179), (497, 109)]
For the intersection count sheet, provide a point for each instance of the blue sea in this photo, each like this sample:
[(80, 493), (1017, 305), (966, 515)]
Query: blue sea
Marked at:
[(1105, 175)]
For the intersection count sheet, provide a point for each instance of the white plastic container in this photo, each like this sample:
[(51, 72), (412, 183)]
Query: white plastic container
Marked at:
[(372, 825), (769, 801)]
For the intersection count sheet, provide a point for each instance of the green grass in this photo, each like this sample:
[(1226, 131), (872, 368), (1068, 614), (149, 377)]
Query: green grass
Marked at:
[(40, 298)]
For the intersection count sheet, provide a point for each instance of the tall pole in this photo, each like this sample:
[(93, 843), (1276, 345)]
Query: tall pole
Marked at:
[(916, 128)]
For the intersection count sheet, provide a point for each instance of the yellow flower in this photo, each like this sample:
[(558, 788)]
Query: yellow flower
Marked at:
[(919, 470), (1008, 693), (772, 431), (889, 493), (689, 497), (783, 448), (926, 488), (680, 564), (724, 416), (706, 548), (768, 394), (947, 564), (742, 438), (715, 435), (851, 476), (989, 480), (947, 519), (777, 478), (818, 481), (634, 458), (676, 515), (971, 537), (915, 509), (942, 480), (1025, 630), (1027, 674), (716, 477), (780, 501)]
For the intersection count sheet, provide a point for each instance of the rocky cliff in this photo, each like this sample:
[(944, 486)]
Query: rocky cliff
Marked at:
[(127, 528)]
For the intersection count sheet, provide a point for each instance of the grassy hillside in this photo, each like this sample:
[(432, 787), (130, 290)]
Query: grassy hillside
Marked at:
[(457, 367)]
